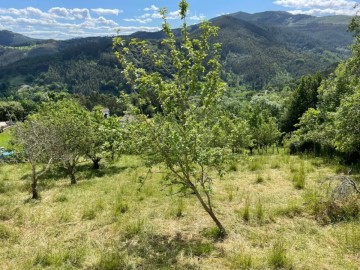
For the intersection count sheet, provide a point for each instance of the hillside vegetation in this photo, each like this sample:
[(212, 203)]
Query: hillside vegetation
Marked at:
[(257, 48)]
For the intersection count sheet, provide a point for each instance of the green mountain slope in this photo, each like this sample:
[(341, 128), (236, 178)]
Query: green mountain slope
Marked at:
[(8, 38), (257, 49)]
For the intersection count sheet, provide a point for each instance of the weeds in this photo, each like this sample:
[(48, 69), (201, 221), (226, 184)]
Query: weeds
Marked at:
[(89, 213), (213, 233), (259, 212), (241, 262), (298, 177), (292, 210), (179, 211), (121, 207), (6, 233), (259, 179), (352, 237), (277, 257), (61, 198), (246, 211), (67, 258), (233, 167), (255, 164), (113, 260)]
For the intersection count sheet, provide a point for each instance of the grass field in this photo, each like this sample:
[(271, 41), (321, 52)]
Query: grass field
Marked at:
[(5, 138), (109, 221)]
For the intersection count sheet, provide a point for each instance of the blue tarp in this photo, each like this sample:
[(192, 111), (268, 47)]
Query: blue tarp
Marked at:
[(5, 154)]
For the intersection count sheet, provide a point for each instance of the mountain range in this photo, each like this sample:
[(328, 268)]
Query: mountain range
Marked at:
[(258, 49)]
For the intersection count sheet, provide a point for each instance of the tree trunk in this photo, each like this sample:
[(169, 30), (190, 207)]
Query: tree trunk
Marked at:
[(70, 168), (35, 194), (96, 163), (72, 177), (209, 210)]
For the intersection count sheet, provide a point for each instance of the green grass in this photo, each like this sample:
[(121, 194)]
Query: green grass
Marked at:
[(5, 137), (110, 221)]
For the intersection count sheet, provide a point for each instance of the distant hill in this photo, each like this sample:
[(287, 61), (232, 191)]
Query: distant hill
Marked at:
[(258, 49), (8, 38), (329, 29)]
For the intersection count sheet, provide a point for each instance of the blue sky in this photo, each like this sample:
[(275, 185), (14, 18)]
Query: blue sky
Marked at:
[(63, 19)]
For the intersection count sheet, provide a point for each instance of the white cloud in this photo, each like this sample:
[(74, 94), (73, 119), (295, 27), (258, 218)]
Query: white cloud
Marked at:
[(125, 30), (315, 3), (222, 14), (324, 12), (152, 8), (103, 11), (59, 12), (173, 15), (319, 7), (200, 17), (24, 12), (80, 13), (103, 21), (139, 20)]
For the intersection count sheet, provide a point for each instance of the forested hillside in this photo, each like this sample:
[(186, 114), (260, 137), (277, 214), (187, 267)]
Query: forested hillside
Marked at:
[(258, 50)]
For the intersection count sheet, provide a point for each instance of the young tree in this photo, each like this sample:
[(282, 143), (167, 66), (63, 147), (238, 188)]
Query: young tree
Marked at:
[(73, 127), (35, 139), (180, 135)]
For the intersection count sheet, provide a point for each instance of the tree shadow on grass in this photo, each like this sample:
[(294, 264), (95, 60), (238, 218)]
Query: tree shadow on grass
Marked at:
[(154, 251), (83, 172), (86, 172)]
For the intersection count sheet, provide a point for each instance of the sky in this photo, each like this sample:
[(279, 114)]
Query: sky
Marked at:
[(65, 19)]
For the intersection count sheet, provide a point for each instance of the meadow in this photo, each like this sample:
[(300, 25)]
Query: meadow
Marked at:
[(112, 220)]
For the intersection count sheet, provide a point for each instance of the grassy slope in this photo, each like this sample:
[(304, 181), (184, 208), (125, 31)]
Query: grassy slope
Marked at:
[(5, 138), (106, 222)]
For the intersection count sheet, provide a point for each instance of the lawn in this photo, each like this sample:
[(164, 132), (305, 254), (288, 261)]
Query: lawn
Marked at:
[(111, 220)]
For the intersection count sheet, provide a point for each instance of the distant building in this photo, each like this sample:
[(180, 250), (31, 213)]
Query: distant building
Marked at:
[(106, 112)]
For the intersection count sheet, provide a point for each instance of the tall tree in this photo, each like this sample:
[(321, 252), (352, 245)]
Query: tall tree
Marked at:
[(304, 97)]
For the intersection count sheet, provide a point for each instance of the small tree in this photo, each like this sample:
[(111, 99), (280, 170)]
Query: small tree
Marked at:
[(72, 125), (180, 135), (35, 139)]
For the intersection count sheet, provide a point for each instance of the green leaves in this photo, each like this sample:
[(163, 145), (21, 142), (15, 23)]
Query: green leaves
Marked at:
[(348, 125), (181, 133)]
